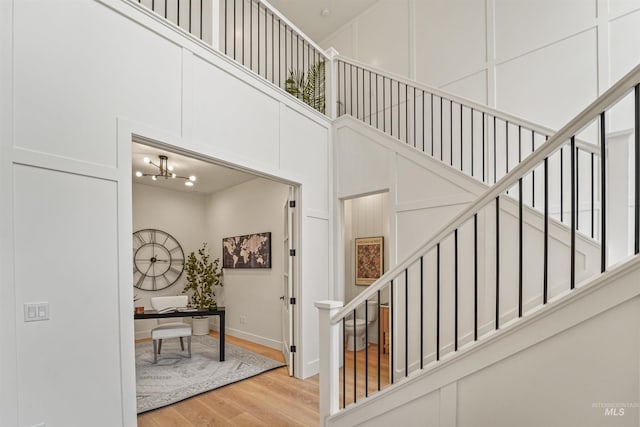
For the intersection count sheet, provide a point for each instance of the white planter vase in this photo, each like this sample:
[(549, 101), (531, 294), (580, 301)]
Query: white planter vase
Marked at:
[(200, 325)]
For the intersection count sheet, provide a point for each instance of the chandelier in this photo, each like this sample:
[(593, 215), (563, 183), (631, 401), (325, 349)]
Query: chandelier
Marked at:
[(165, 171)]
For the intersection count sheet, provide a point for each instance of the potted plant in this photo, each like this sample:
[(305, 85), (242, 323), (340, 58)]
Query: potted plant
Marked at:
[(308, 87), (203, 275)]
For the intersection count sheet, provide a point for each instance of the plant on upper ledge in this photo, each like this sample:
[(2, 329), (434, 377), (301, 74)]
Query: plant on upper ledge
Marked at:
[(309, 87), (203, 276)]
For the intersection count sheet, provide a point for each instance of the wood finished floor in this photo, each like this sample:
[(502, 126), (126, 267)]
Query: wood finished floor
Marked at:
[(269, 399), (363, 379)]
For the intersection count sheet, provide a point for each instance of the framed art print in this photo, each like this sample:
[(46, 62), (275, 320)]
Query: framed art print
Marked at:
[(249, 251), (369, 259)]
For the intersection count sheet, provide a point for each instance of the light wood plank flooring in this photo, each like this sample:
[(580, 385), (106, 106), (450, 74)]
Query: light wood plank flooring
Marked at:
[(363, 378), (269, 399)]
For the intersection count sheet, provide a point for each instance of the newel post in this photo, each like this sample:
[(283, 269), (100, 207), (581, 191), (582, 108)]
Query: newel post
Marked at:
[(332, 84), (329, 359)]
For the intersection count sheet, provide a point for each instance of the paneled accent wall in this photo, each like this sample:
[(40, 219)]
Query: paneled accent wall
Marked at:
[(542, 60), (109, 72)]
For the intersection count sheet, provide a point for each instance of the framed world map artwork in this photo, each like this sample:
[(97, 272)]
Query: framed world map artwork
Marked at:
[(249, 251), (369, 259)]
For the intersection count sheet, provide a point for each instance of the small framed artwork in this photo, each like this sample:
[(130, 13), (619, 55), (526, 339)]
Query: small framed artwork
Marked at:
[(369, 259), (248, 251)]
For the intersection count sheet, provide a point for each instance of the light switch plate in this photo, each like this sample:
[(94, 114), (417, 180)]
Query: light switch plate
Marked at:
[(36, 311), (43, 311)]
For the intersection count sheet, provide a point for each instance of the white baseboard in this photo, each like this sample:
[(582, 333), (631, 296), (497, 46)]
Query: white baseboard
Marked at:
[(213, 326), (143, 334), (312, 368), (267, 342)]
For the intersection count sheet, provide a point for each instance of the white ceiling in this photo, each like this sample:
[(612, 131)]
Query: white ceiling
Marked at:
[(211, 178), (307, 14)]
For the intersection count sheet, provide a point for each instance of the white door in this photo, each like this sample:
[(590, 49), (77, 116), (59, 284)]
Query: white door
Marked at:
[(287, 282)]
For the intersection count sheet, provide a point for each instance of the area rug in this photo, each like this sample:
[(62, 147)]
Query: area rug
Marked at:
[(176, 377)]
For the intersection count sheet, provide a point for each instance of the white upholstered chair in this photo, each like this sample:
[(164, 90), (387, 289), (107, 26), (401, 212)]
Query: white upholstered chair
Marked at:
[(170, 330)]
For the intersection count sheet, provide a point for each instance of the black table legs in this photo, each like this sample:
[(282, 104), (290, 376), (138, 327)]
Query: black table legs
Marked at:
[(222, 337)]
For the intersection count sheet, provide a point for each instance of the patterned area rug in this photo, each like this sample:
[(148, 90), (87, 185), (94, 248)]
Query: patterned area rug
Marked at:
[(176, 377)]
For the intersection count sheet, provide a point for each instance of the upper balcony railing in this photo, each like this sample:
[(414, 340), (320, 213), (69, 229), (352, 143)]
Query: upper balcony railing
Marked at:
[(193, 16), (257, 36), (260, 38)]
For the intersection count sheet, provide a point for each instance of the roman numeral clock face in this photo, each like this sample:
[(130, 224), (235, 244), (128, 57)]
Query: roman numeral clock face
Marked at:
[(158, 260)]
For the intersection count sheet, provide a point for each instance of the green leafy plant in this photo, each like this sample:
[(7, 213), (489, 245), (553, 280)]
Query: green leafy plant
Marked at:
[(309, 87), (203, 276)]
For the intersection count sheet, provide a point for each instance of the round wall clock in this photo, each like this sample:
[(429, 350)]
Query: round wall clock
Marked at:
[(158, 260)]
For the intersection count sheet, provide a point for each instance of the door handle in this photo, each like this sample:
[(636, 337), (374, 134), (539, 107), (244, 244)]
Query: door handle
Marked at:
[(282, 297)]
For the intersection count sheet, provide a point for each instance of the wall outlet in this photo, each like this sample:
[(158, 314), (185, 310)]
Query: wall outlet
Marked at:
[(243, 320)]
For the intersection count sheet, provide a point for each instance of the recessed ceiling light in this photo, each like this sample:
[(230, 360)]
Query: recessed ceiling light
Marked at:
[(325, 12)]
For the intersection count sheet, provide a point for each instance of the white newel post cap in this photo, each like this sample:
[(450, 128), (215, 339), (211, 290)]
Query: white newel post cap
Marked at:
[(331, 53), (329, 304)]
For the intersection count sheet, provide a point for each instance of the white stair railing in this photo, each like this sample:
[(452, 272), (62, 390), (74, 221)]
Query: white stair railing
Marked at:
[(477, 140), (445, 294)]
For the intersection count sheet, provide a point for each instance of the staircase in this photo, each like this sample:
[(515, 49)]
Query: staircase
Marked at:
[(482, 269)]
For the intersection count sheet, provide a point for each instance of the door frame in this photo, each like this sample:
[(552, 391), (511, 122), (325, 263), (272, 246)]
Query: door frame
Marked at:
[(288, 271), (139, 133)]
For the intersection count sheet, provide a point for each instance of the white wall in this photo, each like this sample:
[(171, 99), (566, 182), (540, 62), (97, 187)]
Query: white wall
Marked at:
[(423, 193), (77, 274), (8, 321), (541, 60), (178, 213), (72, 101), (252, 207)]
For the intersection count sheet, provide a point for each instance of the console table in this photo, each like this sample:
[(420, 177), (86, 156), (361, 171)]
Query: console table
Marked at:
[(152, 314)]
